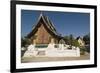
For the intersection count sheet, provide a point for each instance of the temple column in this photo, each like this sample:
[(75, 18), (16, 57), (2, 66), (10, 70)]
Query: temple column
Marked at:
[(52, 40), (34, 41)]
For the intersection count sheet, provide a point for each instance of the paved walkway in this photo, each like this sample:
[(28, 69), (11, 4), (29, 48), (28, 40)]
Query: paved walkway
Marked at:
[(46, 59)]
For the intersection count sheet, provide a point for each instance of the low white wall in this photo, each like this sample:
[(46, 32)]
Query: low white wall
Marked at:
[(51, 51), (30, 51), (63, 53)]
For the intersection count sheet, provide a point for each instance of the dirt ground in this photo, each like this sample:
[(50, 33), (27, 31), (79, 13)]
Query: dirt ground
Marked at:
[(47, 59)]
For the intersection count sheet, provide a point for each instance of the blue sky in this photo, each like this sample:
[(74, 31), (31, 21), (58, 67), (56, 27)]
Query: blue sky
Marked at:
[(66, 23)]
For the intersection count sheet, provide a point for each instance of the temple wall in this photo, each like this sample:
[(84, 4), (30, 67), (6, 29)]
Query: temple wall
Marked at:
[(43, 37)]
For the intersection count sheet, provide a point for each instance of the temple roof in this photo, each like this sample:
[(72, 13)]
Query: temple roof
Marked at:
[(48, 24)]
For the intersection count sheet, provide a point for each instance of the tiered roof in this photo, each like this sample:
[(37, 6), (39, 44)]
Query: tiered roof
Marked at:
[(47, 23)]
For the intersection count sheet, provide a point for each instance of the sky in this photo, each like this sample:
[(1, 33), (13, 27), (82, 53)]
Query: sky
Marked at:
[(66, 23)]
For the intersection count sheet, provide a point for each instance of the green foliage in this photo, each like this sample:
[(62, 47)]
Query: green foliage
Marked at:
[(75, 43), (25, 42), (82, 50), (70, 40), (67, 40), (86, 38)]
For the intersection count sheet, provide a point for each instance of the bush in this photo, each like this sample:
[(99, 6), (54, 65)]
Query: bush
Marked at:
[(25, 42), (83, 50), (88, 48)]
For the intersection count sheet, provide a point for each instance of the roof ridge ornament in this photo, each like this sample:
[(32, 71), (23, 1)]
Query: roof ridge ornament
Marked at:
[(41, 13)]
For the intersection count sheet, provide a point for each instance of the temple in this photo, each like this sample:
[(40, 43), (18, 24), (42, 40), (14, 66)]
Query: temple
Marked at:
[(44, 32), (47, 42)]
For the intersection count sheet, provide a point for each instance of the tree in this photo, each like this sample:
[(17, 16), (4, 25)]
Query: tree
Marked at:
[(67, 40), (25, 42), (71, 40), (75, 43), (86, 38)]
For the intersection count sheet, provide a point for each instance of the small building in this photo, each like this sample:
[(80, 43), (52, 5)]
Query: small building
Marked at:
[(44, 32), (80, 41)]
